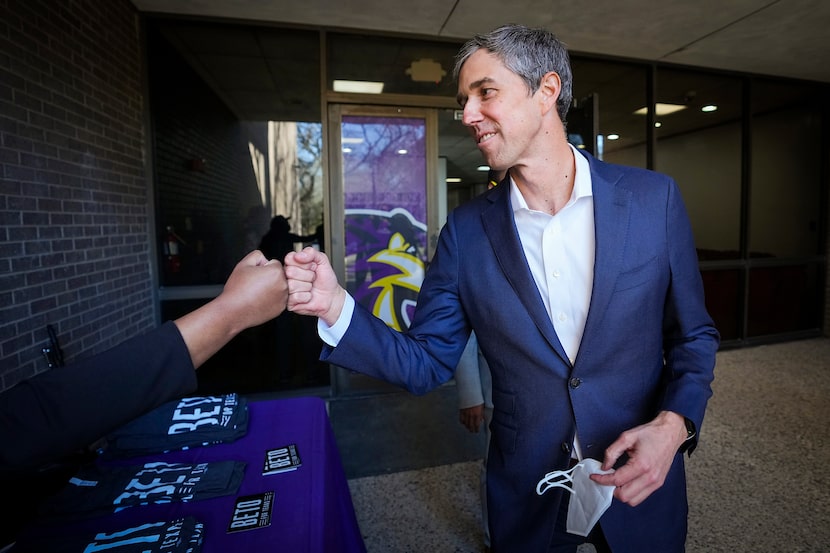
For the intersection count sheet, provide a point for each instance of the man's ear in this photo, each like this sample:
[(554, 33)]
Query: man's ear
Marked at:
[(550, 87)]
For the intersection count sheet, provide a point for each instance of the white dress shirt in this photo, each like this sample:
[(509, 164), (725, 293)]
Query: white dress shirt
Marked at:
[(560, 251)]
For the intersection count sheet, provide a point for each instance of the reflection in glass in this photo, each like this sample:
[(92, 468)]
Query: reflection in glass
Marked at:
[(786, 171), (618, 89), (701, 150), (231, 148), (385, 198), (237, 140), (785, 207)]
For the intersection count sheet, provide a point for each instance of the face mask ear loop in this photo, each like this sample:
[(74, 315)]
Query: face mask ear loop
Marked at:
[(556, 479)]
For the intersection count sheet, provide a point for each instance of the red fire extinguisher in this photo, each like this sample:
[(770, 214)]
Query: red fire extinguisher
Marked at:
[(171, 250)]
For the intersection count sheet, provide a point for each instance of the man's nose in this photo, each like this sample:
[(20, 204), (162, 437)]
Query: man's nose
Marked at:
[(471, 114)]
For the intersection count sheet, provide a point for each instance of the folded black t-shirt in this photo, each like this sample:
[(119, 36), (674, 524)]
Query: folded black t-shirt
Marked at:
[(98, 491), (181, 424)]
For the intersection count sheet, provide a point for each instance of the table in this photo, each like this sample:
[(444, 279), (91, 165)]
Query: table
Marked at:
[(312, 506)]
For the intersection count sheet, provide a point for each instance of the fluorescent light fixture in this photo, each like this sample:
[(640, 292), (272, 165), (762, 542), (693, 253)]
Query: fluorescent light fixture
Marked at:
[(403, 151), (483, 168), (453, 179), (361, 87), (708, 108), (347, 140), (613, 136), (661, 109), (347, 150)]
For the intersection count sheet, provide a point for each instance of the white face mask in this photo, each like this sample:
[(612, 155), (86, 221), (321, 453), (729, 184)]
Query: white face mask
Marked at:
[(589, 500)]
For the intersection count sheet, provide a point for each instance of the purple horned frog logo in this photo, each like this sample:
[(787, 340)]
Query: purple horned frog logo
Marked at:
[(385, 259)]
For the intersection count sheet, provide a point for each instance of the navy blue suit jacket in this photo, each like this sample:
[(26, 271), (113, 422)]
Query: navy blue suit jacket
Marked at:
[(648, 345)]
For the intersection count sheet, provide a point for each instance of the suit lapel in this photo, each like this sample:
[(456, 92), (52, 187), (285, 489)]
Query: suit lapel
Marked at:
[(501, 231), (611, 215), (612, 206)]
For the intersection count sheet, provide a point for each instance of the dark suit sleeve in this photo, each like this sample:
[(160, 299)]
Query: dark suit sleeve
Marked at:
[(64, 409), (690, 338)]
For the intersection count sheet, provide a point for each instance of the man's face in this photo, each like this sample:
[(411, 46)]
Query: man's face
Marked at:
[(500, 113)]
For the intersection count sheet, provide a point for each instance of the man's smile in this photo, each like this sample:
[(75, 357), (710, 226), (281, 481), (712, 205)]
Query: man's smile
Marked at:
[(485, 137)]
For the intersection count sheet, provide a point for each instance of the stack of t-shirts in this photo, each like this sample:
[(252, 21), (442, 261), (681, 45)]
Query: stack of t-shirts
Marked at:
[(178, 536), (182, 424), (97, 491)]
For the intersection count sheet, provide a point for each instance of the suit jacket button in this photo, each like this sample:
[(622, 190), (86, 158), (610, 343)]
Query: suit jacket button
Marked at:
[(574, 382), (566, 448)]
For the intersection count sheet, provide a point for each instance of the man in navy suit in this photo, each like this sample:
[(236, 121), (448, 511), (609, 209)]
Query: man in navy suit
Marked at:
[(580, 279)]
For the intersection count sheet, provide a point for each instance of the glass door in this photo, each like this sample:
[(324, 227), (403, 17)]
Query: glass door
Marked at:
[(384, 213)]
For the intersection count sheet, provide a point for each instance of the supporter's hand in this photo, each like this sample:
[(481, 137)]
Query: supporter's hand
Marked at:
[(312, 285), (256, 291)]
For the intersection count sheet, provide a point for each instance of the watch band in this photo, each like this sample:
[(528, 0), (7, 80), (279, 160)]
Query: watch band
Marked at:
[(691, 432)]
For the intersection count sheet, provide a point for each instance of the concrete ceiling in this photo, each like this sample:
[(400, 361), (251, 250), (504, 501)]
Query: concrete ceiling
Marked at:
[(786, 38)]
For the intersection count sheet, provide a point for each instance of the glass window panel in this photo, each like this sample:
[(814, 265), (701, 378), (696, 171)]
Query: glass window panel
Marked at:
[(618, 89), (403, 66), (699, 145), (783, 299), (785, 202), (237, 137), (237, 140), (385, 200), (722, 287)]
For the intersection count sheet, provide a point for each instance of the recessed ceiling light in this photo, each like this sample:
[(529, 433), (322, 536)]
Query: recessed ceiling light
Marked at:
[(709, 107), (403, 152), (661, 109), (613, 137), (658, 124)]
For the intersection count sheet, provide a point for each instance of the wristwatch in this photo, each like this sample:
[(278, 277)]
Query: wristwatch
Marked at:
[(691, 432)]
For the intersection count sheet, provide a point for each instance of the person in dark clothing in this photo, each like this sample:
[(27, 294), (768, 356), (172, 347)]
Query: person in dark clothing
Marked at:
[(279, 240), (47, 421)]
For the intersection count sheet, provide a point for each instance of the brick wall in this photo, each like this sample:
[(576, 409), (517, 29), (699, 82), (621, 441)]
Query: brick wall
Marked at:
[(74, 203)]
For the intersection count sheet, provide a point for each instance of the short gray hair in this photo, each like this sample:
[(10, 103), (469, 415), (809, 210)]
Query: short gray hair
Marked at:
[(529, 53)]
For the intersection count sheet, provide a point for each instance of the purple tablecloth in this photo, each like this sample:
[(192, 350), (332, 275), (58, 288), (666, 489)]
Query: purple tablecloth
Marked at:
[(312, 507)]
